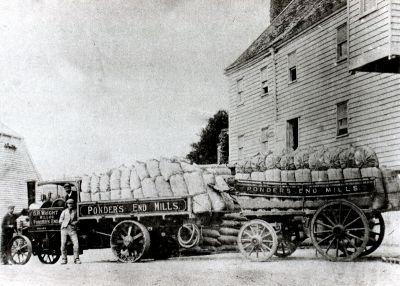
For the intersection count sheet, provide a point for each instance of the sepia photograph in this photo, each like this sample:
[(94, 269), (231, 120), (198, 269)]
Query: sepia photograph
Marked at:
[(200, 142)]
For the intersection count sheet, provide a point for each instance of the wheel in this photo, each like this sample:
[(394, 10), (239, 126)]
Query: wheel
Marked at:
[(257, 240), (376, 232), (49, 258), (20, 249), (288, 240), (189, 235), (130, 240), (339, 231)]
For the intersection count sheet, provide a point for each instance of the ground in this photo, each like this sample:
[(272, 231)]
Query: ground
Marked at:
[(99, 267)]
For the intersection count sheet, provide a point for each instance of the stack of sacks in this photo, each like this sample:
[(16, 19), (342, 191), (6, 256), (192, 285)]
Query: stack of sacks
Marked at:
[(392, 187), (224, 236), (85, 189), (105, 191), (126, 191), (287, 166), (301, 158), (366, 159), (348, 164), (135, 184), (147, 183), (273, 165), (115, 184), (94, 188), (332, 158), (318, 166), (214, 169)]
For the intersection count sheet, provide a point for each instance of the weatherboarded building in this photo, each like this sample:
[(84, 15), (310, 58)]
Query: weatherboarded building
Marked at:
[(17, 172), (323, 73)]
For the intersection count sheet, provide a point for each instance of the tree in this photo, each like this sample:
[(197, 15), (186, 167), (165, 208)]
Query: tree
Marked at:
[(205, 151)]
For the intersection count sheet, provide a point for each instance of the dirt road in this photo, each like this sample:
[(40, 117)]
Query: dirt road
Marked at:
[(303, 268)]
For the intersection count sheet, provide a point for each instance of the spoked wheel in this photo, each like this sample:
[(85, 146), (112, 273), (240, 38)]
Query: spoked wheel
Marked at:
[(339, 231), (376, 232), (288, 240), (130, 240), (20, 249), (49, 258), (257, 240)]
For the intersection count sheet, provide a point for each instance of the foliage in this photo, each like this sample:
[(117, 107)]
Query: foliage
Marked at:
[(205, 151)]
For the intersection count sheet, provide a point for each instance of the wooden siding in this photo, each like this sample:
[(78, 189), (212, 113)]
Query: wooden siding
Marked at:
[(369, 35), (322, 82), (16, 169), (395, 26)]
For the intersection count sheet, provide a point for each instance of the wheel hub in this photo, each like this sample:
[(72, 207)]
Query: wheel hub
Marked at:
[(256, 240), (338, 230), (128, 240)]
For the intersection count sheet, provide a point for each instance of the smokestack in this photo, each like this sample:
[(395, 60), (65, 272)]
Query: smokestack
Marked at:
[(277, 7)]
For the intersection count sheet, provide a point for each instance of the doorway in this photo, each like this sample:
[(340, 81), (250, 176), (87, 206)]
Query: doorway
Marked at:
[(292, 133)]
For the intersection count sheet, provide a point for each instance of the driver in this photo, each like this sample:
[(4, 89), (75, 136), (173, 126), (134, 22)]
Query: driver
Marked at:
[(70, 194)]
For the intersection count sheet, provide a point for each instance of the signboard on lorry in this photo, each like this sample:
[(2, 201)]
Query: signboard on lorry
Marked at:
[(132, 207), (45, 216)]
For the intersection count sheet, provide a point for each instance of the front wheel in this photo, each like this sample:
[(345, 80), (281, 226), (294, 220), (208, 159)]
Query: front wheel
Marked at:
[(130, 240), (20, 249), (49, 258), (257, 240)]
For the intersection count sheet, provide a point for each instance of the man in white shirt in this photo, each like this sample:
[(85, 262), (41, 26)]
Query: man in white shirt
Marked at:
[(68, 221)]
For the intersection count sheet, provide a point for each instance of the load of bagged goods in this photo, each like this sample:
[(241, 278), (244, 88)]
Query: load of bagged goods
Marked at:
[(161, 178), (320, 165)]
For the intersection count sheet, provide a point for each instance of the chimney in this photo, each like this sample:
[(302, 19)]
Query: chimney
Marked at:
[(277, 7)]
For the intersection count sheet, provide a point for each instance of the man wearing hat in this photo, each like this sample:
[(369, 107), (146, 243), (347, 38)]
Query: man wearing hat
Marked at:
[(7, 229), (70, 194), (68, 221)]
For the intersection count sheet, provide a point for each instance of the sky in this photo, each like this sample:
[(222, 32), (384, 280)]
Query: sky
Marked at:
[(91, 85)]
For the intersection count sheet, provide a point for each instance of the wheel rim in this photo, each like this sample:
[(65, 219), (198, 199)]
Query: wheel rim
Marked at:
[(288, 240), (339, 231), (376, 232), (48, 258), (130, 240), (20, 250), (257, 240)]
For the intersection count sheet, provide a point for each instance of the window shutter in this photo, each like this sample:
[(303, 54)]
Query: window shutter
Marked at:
[(342, 34), (292, 59)]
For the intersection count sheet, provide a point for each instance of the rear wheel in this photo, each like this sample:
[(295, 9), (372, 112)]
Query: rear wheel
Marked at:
[(49, 258), (339, 231), (288, 240), (130, 240), (257, 240), (376, 232), (20, 249)]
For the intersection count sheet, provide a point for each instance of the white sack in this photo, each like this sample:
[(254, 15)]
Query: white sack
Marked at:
[(273, 175), (351, 173), (85, 184), (178, 185), (195, 183), (153, 167), (242, 176), (217, 202), (201, 203), (163, 188), (189, 168), (258, 176), (95, 197), (85, 197), (288, 176), (125, 177), (141, 170), (105, 196), (115, 195), (319, 176), (302, 175), (138, 194), (149, 188), (104, 183), (169, 168), (134, 180), (95, 184), (115, 179), (126, 194), (335, 174), (220, 184)]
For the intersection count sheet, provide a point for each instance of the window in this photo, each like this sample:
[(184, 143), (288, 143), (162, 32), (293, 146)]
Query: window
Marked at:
[(240, 146), (292, 66), (265, 137), (292, 134), (264, 80), (239, 88), (341, 37), (367, 6), (341, 114)]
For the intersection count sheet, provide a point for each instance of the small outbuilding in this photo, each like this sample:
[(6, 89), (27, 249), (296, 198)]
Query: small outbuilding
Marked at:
[(17, 172)]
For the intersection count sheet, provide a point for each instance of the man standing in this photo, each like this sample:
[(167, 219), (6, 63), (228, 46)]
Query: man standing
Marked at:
[(68, 221), (7, 229), (70, 194)]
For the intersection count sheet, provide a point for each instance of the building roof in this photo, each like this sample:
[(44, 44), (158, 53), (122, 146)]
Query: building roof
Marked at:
[(5, 130), (295, 18)]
